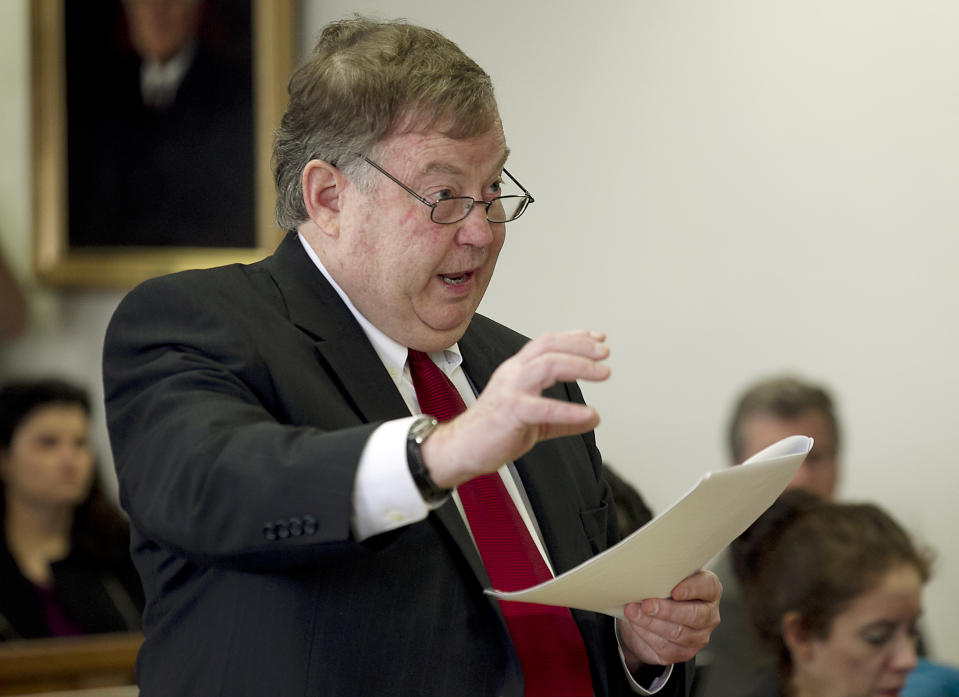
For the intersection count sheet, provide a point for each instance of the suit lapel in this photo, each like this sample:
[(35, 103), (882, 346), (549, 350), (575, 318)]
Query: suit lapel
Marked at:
[(449, 516), (546, 473), (346, 353), (342, 348)]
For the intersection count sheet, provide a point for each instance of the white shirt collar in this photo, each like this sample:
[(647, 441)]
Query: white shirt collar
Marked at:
[(159, 82)]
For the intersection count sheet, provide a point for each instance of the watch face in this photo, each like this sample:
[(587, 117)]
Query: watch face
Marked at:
[(421, 428)]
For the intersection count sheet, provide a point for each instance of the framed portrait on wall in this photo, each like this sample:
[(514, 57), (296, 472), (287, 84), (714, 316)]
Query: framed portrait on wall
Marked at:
[(153, 125)]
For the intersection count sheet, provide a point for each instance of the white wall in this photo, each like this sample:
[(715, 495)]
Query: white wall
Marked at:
[(65, 336), (727, 189), (731, 189)]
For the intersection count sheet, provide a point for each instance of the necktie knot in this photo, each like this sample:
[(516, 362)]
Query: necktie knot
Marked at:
[(435, 392), (417, 356)]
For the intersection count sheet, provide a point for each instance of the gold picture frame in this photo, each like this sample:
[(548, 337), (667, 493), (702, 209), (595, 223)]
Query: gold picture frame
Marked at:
[(57, 260)]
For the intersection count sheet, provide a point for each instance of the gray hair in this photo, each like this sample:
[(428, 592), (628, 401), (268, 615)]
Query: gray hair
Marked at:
[(785, 397), (364, 81)]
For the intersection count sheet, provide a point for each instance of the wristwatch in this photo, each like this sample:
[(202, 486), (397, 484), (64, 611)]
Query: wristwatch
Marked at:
[(419, 431)]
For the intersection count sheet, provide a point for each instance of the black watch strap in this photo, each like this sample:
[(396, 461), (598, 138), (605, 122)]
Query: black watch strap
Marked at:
[(421, 428)]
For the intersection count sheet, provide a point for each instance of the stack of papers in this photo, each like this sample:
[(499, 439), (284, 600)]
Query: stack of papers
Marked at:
[(678, 542)]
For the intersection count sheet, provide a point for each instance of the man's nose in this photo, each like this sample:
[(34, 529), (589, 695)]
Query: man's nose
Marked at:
[(475, 229)]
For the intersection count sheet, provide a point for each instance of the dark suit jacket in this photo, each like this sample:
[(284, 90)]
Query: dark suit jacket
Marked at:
[(239, 400)]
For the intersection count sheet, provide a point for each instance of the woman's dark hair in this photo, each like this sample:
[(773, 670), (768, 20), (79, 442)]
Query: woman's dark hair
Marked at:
[(815, 557), (18, 400), (99, 528)]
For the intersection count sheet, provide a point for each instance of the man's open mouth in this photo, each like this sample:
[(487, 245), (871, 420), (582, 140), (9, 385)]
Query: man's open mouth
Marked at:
[(455, 279)]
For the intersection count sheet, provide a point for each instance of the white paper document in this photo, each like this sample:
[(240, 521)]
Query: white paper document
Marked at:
[(679, 541)]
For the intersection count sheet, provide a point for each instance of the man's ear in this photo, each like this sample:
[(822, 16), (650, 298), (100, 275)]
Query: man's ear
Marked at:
[(323, 185), (796, 637)]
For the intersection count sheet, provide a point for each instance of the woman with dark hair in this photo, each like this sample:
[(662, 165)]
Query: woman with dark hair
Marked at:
[(65, 566), (834, 589)]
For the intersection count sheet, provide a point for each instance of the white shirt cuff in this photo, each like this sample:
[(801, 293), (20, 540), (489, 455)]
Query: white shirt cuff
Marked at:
[(653, 687), (385, 496)]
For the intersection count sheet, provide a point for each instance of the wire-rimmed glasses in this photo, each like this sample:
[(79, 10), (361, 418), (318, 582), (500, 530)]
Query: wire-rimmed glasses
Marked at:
[(446, 211)]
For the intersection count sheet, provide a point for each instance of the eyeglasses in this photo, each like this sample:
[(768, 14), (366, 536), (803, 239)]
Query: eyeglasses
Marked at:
[(446, 211)]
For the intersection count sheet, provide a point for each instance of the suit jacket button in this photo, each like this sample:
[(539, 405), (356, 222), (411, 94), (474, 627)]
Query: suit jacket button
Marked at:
[(269, 532), (282, 530), (296, 527), (309, 525)]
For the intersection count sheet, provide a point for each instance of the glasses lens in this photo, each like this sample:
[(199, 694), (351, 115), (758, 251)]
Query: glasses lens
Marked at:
[(451, 210), (506, 208), (500, 210)]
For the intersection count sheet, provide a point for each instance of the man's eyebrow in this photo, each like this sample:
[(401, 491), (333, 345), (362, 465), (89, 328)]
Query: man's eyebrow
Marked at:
[(438, 167)]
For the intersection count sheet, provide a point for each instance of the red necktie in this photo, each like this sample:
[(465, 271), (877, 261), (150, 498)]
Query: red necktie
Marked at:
[(550, 647)]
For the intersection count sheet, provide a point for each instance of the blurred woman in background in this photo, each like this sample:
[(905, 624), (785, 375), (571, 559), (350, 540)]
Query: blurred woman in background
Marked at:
[(65, 566), (834, 590)]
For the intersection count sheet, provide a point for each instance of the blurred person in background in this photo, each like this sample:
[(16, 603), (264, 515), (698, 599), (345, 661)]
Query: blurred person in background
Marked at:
[(834, 592), (632, 511), (782, 406), (65, 567), (734, 663)]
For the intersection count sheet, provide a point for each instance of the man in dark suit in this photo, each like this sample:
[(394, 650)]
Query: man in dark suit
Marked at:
[(297, 530)]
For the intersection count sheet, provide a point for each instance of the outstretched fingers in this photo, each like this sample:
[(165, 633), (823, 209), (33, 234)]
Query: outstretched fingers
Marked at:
[(511, 414), (559, 357)]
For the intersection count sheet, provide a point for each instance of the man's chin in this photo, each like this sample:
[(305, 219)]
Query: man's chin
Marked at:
[(437, 336)]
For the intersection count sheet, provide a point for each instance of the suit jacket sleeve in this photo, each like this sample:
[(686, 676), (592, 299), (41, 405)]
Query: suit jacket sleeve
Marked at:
[(212, 462)]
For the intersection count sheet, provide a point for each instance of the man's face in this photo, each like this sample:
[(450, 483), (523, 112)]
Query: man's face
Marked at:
[(819, 472), (159, 29), (417, 281)]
